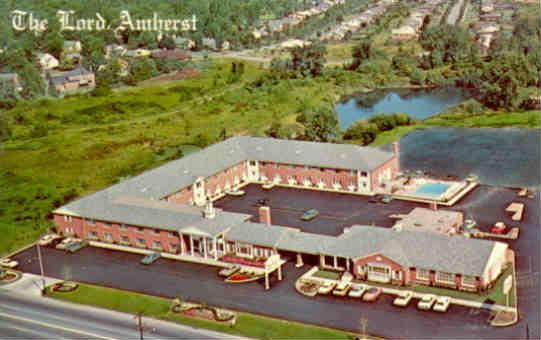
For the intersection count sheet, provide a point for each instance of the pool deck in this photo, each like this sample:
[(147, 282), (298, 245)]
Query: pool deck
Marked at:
[(456, 197)]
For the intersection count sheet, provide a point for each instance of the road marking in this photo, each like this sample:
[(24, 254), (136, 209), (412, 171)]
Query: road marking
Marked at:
[(47, 325)]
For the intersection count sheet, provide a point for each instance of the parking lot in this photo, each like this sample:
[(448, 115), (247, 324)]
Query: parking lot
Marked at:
[(200, 283)]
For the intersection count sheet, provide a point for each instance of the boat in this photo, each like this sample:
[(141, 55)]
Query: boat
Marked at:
[(307, 288), (372, 294), (403, 299), (268, 186), (243, 277), (341, 289), (442, 304), (357, 291), (326, 287), (226, 272)]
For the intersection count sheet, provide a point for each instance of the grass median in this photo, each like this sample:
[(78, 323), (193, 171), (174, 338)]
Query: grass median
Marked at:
[(248, 325)]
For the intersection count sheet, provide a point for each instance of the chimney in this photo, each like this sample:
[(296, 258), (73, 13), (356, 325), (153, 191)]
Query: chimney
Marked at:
[(433, 206), (265, 215), (396, 148)]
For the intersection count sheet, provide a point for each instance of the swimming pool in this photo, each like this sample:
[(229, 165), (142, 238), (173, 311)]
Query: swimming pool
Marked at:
[(433, 189)]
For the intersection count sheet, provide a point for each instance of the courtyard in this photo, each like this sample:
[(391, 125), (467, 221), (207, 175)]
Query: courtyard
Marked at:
[(196, 282)]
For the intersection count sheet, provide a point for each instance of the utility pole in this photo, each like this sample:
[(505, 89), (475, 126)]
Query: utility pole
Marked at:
[(41, 269), (139, 317)]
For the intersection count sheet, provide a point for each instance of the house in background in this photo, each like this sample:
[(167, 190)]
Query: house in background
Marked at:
[(71, 46), (46, 61), (112, 50), (184, 43), (78, 80), (176, 54), (11, 78)]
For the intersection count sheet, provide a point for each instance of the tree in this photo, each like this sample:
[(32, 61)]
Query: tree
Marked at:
[(321, 125), (167, 42), (361, 52), (308, 60)]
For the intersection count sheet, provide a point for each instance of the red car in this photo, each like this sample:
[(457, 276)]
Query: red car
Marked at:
[(498, 228)]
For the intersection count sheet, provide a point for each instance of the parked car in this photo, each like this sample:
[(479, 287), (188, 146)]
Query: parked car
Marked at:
[(309, 215), (226, 272), (341, 289), (65, 242), (372, 294), (426, 302), (403, 299), (47, 239), (268, 186), (386, 199), (326, 287), (262, 202), (469, 224), (499, 228), (76, 246), (357, 291), (442, 304), (150, 258), (8, 263)]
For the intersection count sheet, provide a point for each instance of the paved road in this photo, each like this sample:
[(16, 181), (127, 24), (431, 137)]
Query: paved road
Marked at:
[(170, 278), (24, 314)]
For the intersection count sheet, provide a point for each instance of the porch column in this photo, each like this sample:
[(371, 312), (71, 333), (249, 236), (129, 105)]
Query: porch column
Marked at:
[(299, 261), (182, 246), (322, 260), (215, 248), (335, 262), (267, 286), (280, 273), (347, 264), (191, 245), (204, 239)]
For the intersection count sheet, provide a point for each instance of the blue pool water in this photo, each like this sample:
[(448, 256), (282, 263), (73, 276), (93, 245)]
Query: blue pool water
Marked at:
[(432, 189)]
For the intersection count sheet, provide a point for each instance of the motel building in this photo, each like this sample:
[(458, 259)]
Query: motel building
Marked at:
[(169, 209)]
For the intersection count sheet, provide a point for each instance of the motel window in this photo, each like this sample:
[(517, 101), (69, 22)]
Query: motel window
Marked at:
[(92, 234), (125, 239), (445, 277), (469, 281), (141, 241), (172, 234), (157, 244), (123, 226), (156, 231), (67, 218), (198, 185), (139, 229), (352, 172), (90, 221), (109, 236), (243, 249), (252, 163), (107, 224), (423, 274), (364, 174), (322, 169)]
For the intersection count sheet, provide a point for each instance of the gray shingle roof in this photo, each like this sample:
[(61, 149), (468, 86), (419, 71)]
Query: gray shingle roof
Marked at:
[(258, 234), (454, 254)]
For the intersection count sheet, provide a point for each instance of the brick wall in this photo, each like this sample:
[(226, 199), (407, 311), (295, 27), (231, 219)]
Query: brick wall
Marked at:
[(83, 228), (300, 173), (393, 165), (218, 182)]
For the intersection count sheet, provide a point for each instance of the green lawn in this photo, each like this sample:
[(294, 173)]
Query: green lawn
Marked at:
[(248, 325), (326, 274)]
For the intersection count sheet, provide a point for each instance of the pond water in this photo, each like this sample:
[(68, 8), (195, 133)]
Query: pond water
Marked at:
[(418, 103), (509, 157)]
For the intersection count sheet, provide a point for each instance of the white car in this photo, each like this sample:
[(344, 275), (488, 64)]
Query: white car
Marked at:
[(403, 299), (357, 291), (326, 287), (442, 304), (8, 263), (47, 239), (65, 242), (426, 302)]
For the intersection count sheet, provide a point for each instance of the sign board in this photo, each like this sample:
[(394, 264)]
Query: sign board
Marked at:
[(507, 284)]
